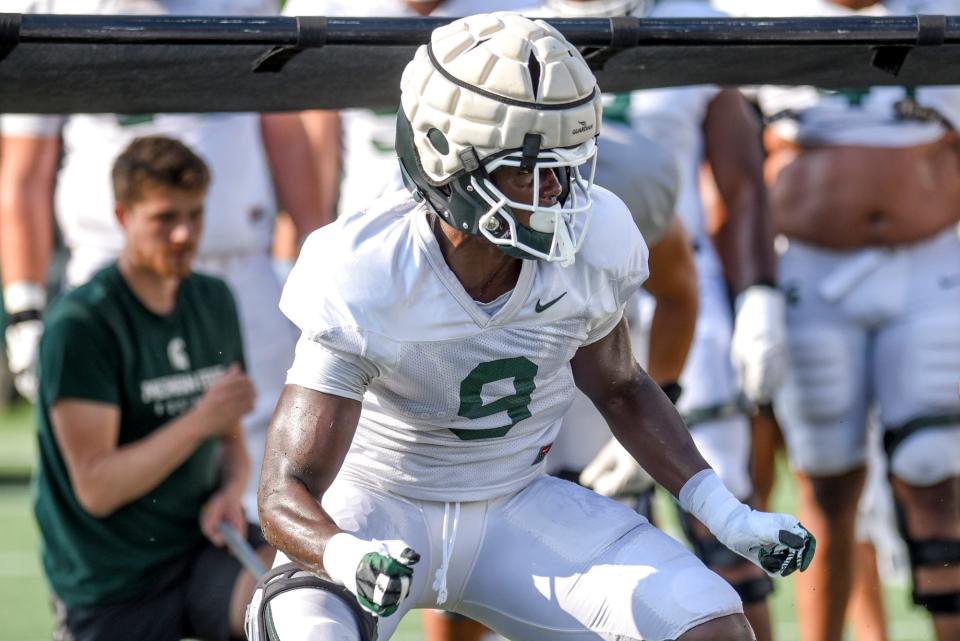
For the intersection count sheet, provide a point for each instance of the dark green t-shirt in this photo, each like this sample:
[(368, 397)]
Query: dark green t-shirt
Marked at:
[(101, 344)]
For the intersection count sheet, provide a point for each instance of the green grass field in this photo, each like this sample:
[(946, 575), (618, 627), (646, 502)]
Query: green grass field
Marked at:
[(25, 615)]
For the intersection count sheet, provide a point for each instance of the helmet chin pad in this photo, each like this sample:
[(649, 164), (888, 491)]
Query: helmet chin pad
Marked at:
[(541, 221)]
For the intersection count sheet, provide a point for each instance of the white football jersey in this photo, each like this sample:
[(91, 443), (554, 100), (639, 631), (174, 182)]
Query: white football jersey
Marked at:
[(240, 205), (857, 116), (466, 405), (370, 167)]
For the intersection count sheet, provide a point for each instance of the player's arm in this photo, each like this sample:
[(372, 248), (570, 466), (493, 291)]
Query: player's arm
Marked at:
[(744, 235), (27, 175), (650, 429), (744, 240), (673, 283), (310, 433), (106, 476), (292, 166), (26, 213), (639, 414), (325, 133)]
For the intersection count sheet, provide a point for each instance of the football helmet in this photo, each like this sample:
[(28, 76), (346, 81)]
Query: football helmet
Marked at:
[(495, 90), (599, 8)]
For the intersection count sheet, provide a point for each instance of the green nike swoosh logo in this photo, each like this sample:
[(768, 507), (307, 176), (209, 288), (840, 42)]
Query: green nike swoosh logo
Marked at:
[(541, 308)]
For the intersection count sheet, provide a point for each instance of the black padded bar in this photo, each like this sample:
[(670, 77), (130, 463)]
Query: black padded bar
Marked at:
[(311, 34), (877, 31), (148, 64), (9, 33), (931, 31), (625, 32)]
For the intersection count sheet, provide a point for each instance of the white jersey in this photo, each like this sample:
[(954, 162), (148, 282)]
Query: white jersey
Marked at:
[(857, 116), (466, 405), (240, 205), (370, 167)]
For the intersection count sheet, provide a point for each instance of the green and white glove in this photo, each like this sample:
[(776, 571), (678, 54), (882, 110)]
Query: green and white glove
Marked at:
[(775, 542), (378, 573)]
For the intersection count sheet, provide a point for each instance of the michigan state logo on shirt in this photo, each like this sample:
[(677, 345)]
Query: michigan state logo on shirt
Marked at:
[(177, 354)]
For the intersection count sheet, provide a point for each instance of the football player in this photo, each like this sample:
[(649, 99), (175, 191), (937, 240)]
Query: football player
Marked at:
[(864, 186), (438, 355)]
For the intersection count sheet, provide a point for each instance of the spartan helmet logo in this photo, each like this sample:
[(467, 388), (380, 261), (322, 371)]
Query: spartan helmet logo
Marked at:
[(177, 354)]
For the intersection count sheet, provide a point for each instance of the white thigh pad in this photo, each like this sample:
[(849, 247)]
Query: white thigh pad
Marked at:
[(918, 364), (822, 404), (928, 456)]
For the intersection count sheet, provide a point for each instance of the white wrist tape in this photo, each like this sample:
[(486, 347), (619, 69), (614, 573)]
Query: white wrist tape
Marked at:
[(706, 497), (342, 556)]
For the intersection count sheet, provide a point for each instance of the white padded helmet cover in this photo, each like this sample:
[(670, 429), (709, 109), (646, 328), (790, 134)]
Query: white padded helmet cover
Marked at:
[(483, 94)]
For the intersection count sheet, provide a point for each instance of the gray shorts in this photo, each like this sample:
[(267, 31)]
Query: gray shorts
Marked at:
[(191, 599)]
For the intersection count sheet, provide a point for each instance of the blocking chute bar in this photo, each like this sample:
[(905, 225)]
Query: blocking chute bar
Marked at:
[(144, 64)]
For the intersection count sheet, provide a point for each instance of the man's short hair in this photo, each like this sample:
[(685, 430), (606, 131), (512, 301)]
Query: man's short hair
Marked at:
[(157, 161)]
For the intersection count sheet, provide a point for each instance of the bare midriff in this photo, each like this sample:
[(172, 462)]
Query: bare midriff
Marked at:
[(848, 197)]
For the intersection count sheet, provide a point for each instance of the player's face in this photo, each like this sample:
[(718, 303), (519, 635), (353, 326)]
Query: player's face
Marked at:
[(163, 229), (517, 185)]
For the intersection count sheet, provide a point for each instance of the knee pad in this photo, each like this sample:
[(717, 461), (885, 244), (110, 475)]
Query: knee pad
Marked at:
[(934, 553), (258, 622), (926, 450), (753, 590)]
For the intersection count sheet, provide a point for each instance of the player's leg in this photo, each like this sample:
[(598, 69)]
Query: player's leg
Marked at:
[(765, 441), (720, 428), (295, 606), (822, 410), (545, 570), (439, 625), (916, 369), (865, 610), (292, 605), (875, 530)]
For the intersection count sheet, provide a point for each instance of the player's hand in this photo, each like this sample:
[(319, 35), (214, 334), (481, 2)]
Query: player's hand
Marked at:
[(224, 505), (759, 345), (379, 573), (614, 472), (225, 402), (776, 542), (23, 348)]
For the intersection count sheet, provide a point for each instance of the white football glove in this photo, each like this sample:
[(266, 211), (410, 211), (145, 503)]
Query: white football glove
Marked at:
[(24, 300), (759, 345), (378, 573), (614, 472), (775, 542)]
